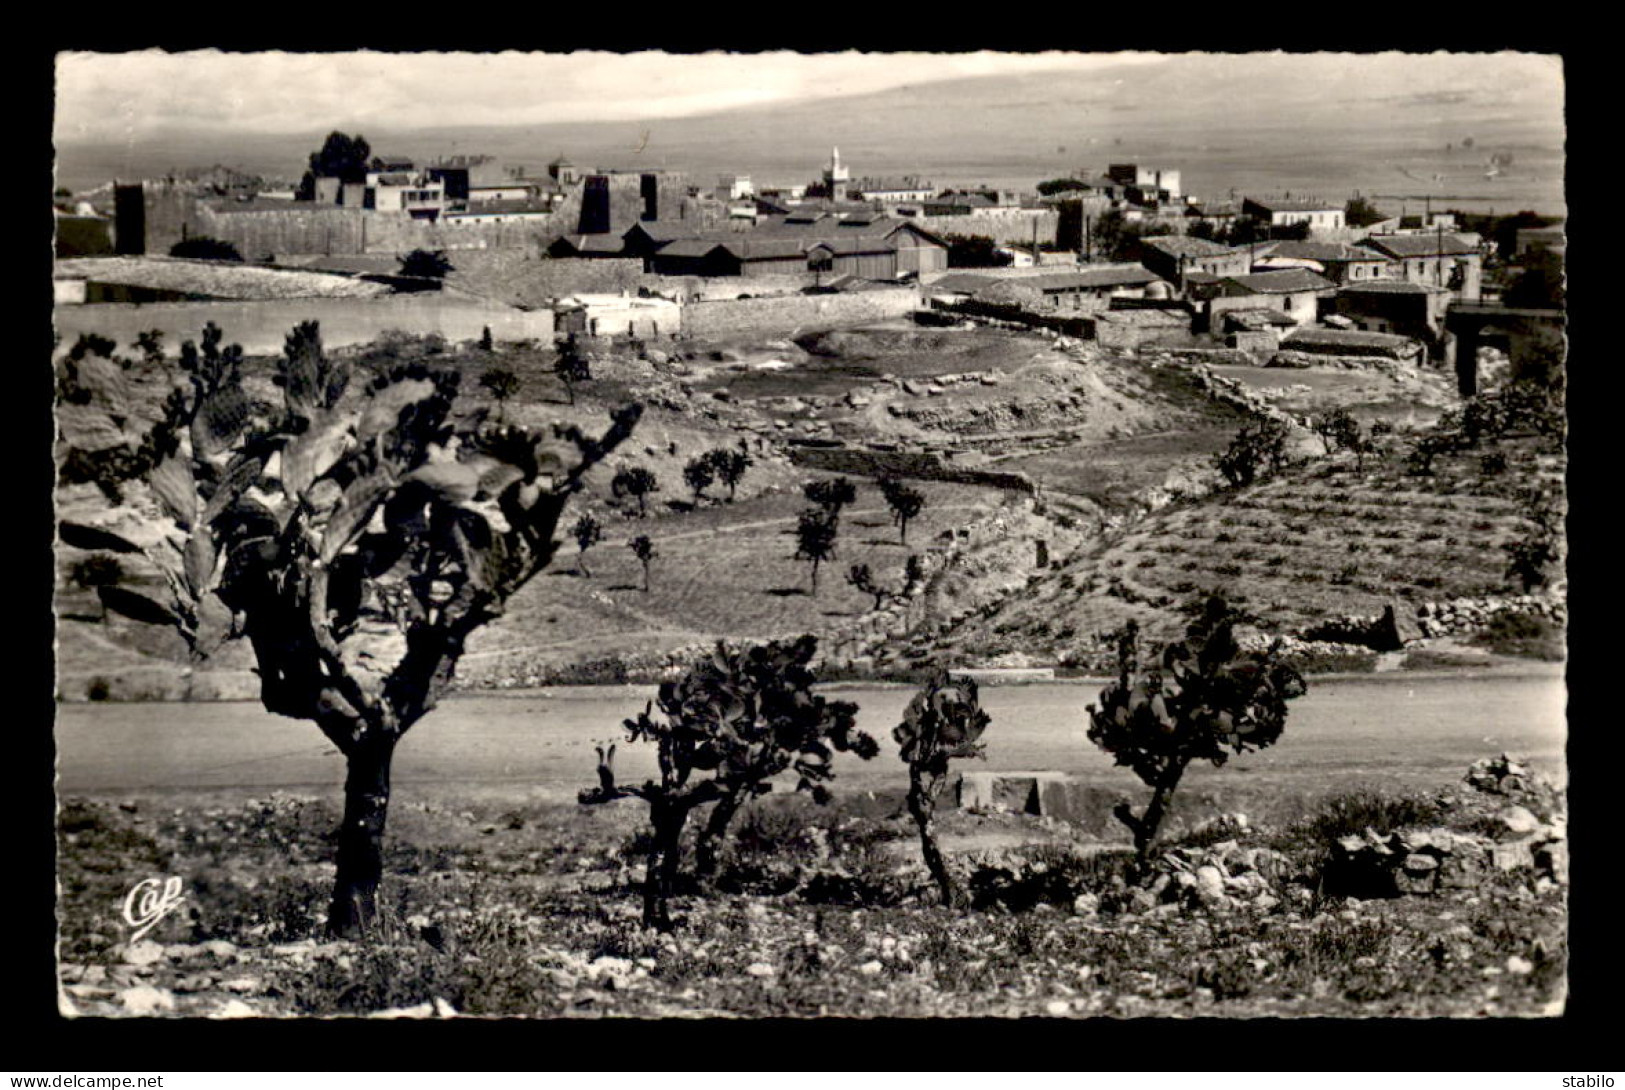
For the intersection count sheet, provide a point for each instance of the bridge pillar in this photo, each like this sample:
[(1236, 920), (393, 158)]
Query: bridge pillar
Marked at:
[(1466, 345)]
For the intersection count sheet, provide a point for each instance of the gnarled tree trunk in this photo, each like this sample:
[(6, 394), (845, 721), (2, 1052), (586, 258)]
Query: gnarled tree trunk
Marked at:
[(922, 804), (708, 846), (354, 909)]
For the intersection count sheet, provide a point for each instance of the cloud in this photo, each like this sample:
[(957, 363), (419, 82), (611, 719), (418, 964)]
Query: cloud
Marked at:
[(129, 95)]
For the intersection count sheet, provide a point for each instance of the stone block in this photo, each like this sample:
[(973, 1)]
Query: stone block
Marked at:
[(1422, 882), (1511, 855), (1552, 860)]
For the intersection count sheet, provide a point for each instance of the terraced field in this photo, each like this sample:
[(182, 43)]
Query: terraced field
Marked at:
[(1319, 541)]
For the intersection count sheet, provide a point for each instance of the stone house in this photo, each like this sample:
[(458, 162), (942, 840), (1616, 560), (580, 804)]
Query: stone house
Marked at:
[(1336, 261), (1433, 258), (604, 315), (1295, 293), (1175, 257), (1320, 215), (1396, 306)]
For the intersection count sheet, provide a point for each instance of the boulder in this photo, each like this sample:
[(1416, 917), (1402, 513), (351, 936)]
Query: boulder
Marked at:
[(145, 999), (1397, 627), (144, 952), (1511, 855), (1209, 883), (1518, 821)]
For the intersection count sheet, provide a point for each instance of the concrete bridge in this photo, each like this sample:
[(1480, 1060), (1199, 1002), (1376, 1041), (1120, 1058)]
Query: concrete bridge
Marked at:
[(1470, 326)]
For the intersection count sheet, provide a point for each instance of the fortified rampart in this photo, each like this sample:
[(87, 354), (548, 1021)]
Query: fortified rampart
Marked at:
[(1013, 226), (261, 327)]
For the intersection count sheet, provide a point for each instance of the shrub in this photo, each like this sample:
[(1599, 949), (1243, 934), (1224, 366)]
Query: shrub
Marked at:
[(1257, 447), (942, 723), (206, 249), (731, 723), (1204, 699), (430, 264), (1523, 634), (905, 504), (637, 482), (501, 384)]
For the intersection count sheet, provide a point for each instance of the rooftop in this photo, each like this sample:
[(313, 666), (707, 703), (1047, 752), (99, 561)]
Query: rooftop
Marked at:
[(1296, 204), (1353, 338), (503, 207), (1186, 246), (1282, 280), (1392, 287), (1318, 251), (1424, 244), (962, 282), (1106, 276)]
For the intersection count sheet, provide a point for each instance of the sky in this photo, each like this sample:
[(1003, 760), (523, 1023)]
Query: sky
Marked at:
[(123, 96)]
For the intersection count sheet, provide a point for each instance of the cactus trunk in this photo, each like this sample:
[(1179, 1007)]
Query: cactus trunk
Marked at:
[(708, 846), (354, 909), (660, 877), (922, 804)]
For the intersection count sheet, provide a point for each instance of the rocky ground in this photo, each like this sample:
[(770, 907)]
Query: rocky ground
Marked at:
[(1448, 903)]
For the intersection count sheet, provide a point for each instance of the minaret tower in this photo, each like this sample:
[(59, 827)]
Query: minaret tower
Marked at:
[(836, 176)]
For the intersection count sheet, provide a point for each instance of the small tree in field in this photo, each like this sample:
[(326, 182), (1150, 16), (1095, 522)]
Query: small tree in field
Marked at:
[(637, 482), (1257, 447), (487, 342), (943, 722), (357, 535), (501, 384), (1201, 700), (572, 368), (1531, 558), (645, 551), (905, 503), (1424, 450), (1338, 430), (862, 579), (151, 344), (816, 532), (733, 722), (729, 466), (587, 533), (831, 495), (699, 474)]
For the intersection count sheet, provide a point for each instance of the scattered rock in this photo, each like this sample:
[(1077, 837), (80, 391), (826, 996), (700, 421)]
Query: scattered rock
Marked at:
[(759, 968), (144, 952), (1518, 820), (1209, 884), (145, 999), (234, 1008), (422, 1010)]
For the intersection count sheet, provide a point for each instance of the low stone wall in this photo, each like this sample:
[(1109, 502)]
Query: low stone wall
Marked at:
[(791, 313), (898, 463), (262, 327), (1400, 625)]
